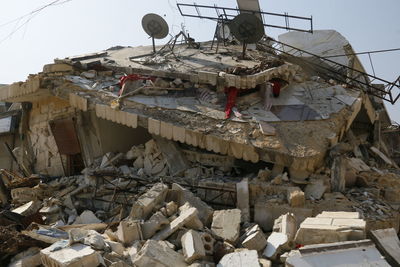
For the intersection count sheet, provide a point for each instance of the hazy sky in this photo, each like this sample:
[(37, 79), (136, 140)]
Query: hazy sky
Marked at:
[(78, 27)]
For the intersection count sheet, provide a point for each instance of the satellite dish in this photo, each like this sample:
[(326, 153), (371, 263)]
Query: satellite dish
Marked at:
[(155, 26), (247, 28), (224, 32)]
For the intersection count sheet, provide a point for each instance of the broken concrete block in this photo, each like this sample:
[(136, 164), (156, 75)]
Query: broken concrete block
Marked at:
[(242, 258), (176, 161), (87, 217), (242, 199), (87, 237), (254, 239), (287, 225), (116, 247), (208, 242), (29, 208), (276, 243), (226, 224), (129, 231), (192, 246), (205, 211), (156, 222), (295, 197), (194, 224), (155, 254), (145, 204), (329, 228), (61, 255), (185, 217), (266, 212)]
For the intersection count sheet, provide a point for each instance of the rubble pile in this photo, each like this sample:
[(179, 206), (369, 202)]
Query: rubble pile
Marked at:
[(118, 213)]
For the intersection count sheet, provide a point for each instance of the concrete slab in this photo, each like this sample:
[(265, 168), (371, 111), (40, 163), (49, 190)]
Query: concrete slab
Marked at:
[(226, 224), (243, 258), (331, 229), (155, 254), (388, 244), (349, 254), (73, 256)]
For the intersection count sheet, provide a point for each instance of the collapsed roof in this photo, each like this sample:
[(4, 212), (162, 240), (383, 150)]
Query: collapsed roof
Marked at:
[(181, 93)]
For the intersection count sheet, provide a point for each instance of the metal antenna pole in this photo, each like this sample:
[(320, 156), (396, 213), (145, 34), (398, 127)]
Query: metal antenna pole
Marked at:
[(154, 44)]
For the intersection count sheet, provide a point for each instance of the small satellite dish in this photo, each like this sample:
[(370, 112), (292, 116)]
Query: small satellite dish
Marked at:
[(223, 32), (247, 28), (155, 26)]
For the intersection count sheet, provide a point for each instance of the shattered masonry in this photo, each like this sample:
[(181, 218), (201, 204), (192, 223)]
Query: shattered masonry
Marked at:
[(190, 157)]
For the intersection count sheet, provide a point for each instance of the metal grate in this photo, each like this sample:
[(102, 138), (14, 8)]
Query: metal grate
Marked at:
[(227, 14)]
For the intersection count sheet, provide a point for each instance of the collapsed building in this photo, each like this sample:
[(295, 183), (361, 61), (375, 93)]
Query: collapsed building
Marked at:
[(196, 156)]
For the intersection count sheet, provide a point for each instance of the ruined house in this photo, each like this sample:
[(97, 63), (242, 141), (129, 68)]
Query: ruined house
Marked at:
[(215, 122)]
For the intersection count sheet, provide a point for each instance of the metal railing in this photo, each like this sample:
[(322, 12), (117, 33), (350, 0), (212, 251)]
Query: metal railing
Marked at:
[(227, 14), (327, 68)]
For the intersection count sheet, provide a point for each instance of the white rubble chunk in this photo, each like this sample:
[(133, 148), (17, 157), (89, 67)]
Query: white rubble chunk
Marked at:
[(73, 256), (254, 239), (286, 224), (185, 217), (155, 254), (129, 231), (192, 246), (205, 211), (226, 224), (348, 253), (133, 250), (242, 258), (156, 222), (29, 208), (145, 204), (276, 241), (87, 217), (87, 237), (195, 223)]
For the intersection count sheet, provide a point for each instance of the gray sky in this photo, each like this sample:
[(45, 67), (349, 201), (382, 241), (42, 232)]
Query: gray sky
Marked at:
[(78, 27)]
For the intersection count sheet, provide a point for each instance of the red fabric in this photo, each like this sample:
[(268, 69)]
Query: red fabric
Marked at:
[(132, 77), (276, 87), (231, 100)]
